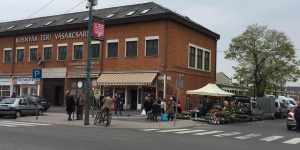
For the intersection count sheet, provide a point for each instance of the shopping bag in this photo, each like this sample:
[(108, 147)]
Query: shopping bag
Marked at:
[(164, 117), (143, 113)]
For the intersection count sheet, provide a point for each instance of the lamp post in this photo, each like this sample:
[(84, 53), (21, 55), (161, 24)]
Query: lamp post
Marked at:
[(89, 5)]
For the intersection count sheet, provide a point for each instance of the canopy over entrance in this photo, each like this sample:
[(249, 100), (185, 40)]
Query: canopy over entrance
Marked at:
[(126, 79), (211, 90)]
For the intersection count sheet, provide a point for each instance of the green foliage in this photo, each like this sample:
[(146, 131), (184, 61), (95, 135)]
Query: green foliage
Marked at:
[(265, 57)]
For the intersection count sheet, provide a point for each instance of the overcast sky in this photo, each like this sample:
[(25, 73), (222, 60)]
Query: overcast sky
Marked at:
[(228, 18)]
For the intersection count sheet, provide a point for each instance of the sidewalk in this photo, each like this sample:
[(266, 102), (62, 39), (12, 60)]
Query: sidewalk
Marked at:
[(58, 117)]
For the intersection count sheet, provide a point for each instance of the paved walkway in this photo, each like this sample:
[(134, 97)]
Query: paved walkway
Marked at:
[(58, 116)]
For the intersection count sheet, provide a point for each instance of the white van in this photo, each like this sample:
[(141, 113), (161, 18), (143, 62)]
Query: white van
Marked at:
[(280, 109), (293, 103), (286, 104)]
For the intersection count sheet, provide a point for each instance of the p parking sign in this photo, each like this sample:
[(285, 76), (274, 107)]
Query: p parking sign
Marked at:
[(37, 73)]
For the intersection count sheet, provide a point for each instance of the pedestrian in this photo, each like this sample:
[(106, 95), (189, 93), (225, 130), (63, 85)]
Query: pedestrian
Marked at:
[(297, 116), (163, 106), (119, 105), (171, 106), (147, 105), (80, 101), (70, 105), (13, 95), (155, 110), (101, 99)]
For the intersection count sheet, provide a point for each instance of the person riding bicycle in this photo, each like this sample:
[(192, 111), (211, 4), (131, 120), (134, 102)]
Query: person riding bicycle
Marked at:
[(107, 101)]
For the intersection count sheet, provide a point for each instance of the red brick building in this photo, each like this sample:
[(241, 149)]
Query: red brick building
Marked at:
[(146, 47)]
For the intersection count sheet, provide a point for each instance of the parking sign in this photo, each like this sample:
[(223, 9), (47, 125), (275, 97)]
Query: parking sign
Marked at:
[(37, 73)]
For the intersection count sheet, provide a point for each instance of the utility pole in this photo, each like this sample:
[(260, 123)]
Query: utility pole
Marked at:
[(89, 5)]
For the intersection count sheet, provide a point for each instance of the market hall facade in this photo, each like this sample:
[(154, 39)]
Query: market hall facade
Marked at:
[(146, 48)]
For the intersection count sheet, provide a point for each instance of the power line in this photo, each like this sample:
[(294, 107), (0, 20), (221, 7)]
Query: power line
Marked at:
[(40, 9), (74, 7)]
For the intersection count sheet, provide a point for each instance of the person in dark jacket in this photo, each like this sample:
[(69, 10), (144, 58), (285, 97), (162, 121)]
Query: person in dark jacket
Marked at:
[(119, 105), (70, 103), (13, 95), (147, 105), (155, 110), (297, 116)]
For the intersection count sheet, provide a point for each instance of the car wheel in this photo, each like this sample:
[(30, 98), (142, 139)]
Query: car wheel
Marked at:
[(40, 112), (18, 114), (289, 127)]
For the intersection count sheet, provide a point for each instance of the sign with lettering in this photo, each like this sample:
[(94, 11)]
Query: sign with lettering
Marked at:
[(54, 72), (98, 28), (25, 81), (80, 67)]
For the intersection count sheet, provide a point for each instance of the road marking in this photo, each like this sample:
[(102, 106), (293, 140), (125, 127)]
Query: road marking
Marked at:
[(17, 124), (8, 125), (271, 138), (182, 132), (209, 132), (292, 141), (41, 124), (149, 129), (248, 136), (227, 134), (173, 130)]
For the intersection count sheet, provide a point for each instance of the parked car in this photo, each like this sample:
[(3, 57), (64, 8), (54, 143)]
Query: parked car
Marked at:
[(2, 97), (286, 104), (251, 109), (19, 107), (40, 100), (280, 109), (290, 120)]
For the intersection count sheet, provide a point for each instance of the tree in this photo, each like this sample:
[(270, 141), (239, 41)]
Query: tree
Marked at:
[(266, 58)]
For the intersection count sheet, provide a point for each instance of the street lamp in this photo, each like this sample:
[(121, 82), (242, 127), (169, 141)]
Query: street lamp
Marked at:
[(89, 5)]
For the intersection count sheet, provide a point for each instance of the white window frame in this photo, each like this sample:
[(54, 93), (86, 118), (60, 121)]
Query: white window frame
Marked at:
[(31, 47), (151, 38), (18, 48), (74, 44), (203, 57), (112, 41), (131, 40), (60, 45), (47, 46), (7, 49)]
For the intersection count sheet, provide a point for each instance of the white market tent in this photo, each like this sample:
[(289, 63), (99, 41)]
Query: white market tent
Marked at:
[(211, 90)]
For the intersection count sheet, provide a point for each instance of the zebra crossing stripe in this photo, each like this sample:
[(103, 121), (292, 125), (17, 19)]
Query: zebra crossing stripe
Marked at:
[(174, 130), (271, 138), (292, 141), (17, 124), (209, 132), (227, 134), (149, 129), (29, 123), (248, 136), (182, 132), (8, 125)]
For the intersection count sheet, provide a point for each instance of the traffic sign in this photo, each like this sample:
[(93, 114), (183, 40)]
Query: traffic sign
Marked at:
[(37, 73)]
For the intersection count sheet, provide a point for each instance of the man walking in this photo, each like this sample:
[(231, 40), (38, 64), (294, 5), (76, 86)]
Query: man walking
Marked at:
[(81, 99), (297, 116)]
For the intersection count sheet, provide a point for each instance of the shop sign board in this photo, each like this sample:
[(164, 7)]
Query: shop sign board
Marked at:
[(54, 72), (25, 81)]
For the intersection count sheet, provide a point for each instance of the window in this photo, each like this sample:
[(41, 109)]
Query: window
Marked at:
[(112, 49), (62, 52), (192, 57), (145, 11), (47, 53), (151, 46), (7, 56), (48, 23), (95, 51), (131, 48), (10, 27), (86, 19), (199, 58), (33, 54), (71, 20), (206, 61), (78, 51), (29, 25), (20, 55), (110, 16), (130, 13), (22, 102)]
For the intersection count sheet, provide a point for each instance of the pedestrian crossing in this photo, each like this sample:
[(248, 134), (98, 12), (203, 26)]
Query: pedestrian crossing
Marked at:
[(20, 124), (220, 134)]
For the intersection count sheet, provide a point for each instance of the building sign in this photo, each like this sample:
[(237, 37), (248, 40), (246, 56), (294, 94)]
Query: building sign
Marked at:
[(54, 72), (162, 78), (98, 29), (48, 37), (80, 67), (25, 81)]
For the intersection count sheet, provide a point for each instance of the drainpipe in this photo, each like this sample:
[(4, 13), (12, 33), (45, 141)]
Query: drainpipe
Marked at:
[(165, 57), (13, 64), (216, 61)]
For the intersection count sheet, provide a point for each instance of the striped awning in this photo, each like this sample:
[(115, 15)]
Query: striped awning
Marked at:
[(126, 79)]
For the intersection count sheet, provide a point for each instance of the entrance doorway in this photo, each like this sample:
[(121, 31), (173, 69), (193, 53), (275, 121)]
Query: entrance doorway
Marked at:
[(53, 89), (133, 99)]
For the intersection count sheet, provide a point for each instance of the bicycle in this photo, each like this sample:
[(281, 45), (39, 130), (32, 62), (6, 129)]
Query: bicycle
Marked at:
[(106, 116)]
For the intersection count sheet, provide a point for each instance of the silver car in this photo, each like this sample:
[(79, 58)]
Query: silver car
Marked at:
[(19, 107), (290, 121)]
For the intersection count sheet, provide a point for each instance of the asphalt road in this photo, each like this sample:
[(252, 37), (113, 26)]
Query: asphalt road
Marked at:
[(267, 134)]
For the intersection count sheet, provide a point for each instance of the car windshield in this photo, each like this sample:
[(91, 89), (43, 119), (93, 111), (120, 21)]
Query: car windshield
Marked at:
[(8, 101)]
